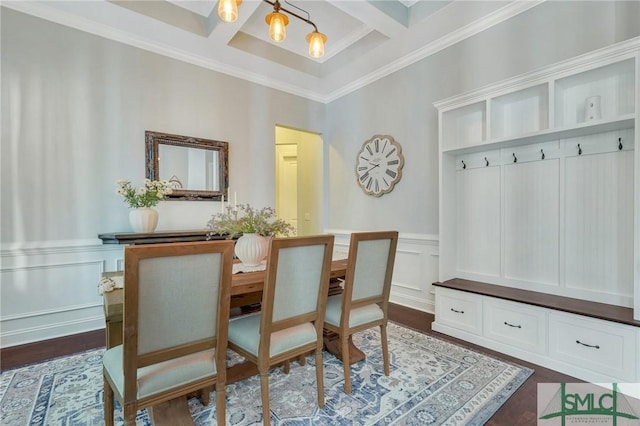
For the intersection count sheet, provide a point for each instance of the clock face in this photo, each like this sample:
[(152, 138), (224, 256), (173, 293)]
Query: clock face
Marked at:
[(379, 165)]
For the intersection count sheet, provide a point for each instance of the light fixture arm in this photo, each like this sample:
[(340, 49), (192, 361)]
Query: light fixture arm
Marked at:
[(228, 12), (277, 7)]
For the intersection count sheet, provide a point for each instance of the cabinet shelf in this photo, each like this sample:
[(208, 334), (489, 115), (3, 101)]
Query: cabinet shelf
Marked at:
[(522, 112), (581, 129)]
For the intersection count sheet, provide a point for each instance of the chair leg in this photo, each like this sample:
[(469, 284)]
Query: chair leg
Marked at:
[(287, 367), (221, 404), (205, 395), (129, 413), (264, 388), (385, 348), (344, 341), (108, 404), (302, 360), (320, 376)]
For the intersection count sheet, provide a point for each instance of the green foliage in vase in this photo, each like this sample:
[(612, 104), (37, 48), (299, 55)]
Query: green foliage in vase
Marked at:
[(148, 195), (248, 220)]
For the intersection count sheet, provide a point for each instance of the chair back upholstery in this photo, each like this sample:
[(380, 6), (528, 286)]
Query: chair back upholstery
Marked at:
[(371, 260), (176, 296), (296, 281)]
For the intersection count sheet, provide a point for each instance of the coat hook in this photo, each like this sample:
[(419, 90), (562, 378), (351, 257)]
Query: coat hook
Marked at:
[(464, 166), (620, 144), (579, 150), (515, 159), (542, 152), (486, 161)]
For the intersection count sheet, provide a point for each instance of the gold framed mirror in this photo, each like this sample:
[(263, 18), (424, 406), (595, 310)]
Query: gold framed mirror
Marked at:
[(196, 168)]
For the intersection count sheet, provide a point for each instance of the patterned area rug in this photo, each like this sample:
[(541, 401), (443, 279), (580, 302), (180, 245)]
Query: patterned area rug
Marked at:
[(432, 382)]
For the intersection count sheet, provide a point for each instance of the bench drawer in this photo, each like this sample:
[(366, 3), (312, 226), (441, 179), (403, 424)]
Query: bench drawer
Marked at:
[(515, 324), (459, 309), (604, 347)]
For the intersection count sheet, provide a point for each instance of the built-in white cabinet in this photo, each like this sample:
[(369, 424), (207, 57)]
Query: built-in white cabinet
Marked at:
[(459, 310), (538, 181), (540, 191), (599, 346), (590, 349)]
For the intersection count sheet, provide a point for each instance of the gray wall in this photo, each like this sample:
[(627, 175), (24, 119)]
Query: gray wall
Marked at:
[(75, 107), (402, 104), (74, 110)]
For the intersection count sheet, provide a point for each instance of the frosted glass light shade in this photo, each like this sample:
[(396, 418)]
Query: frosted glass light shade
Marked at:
[(277, 26), (316, 42), (228, 10)]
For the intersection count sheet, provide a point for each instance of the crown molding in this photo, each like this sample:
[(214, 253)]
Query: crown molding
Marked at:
[(501, 15), (41, 10), (72, 21)]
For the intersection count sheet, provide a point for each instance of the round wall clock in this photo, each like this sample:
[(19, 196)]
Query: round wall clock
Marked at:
[(379, 165)]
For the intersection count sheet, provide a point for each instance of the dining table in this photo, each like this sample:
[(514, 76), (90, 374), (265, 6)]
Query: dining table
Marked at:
[(246, 295)]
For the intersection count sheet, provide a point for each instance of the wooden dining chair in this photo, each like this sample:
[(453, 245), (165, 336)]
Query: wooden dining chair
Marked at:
[(176, 316), (293, 305), (364, 301)]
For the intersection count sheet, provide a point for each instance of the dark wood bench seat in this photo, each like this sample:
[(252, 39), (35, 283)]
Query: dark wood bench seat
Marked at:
[(603, 311)]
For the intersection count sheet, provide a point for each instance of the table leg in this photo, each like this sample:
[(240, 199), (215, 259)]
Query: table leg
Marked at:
[(171, 413), (332, 345)]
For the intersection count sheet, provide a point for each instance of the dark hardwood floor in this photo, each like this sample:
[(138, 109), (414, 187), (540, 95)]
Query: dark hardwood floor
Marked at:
[(520, 409)]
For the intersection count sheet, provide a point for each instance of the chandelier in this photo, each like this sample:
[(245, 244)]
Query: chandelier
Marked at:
[(277, 21)]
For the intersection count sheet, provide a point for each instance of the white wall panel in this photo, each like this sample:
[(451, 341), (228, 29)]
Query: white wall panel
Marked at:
[(50, 289), (599, 223), (53, 287), (531, 194), (478, 212), (40, 301)]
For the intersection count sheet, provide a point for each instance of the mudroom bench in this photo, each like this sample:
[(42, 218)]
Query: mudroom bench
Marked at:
[(592, 341)]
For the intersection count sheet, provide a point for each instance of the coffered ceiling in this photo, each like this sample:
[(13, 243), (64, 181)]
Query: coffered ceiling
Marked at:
[(366, 39)]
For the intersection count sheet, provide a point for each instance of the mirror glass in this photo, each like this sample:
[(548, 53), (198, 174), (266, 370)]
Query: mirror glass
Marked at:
[(189, 168), (196, 168)]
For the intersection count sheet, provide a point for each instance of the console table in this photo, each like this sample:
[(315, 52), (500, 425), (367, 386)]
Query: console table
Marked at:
[(156, 237)]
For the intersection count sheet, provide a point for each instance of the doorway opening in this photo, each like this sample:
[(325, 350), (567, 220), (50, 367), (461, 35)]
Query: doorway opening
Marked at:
[(299, 179)]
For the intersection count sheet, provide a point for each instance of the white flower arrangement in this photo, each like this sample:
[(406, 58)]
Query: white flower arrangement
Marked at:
[(148, 195), (244, 219)]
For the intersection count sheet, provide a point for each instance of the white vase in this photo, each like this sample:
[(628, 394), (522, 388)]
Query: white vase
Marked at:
[(143, 219), (251, 249)]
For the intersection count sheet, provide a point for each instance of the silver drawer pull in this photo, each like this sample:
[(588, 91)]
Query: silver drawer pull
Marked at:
[(457, 312), (589, 346), (511, 325)]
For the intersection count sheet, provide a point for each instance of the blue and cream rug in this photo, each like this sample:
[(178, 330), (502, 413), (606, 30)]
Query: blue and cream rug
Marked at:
[(432, 382)]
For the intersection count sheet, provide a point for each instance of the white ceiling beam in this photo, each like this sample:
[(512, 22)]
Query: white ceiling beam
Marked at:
[(223, 32), (371, 15)]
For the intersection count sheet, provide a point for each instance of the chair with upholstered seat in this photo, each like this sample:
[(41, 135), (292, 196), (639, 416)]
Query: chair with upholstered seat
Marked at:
[(176, 316), (293, 305), (365, 298)]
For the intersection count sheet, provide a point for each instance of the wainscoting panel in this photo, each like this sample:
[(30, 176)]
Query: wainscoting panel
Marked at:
[(416, 267), (50, 289)]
